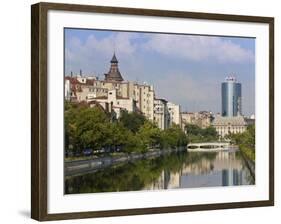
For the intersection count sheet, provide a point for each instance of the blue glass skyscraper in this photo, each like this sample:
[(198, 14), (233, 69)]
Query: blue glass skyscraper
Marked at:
[(231, 97)]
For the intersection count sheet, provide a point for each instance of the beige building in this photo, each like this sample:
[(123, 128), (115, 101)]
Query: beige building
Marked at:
[(161, 114), (175, 113), (89, 88), (228, 125), (144, 96), (89, 92), (202, 119), (114, 102), (67, 91), (123, 94)]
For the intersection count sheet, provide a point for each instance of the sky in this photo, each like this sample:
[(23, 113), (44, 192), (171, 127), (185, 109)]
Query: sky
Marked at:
[(184, 69)]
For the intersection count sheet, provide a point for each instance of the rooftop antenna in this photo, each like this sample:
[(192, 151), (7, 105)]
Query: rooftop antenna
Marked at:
[(231, 77)]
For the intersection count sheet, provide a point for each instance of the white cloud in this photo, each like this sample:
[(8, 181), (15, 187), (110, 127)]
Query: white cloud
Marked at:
[(197, 94), (199, 48), (194, 90), (121, 42), (89, 54), (128, 46)]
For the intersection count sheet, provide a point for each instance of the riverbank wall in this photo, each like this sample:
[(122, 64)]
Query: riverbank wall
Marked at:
[(79, 167)]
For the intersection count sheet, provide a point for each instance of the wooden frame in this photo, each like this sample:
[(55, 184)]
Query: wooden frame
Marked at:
[(39, 110)]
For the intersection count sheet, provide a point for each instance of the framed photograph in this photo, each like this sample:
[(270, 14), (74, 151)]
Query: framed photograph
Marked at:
[(140, 111)]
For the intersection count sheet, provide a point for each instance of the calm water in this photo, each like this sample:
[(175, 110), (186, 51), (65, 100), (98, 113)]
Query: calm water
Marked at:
[(177, 170)]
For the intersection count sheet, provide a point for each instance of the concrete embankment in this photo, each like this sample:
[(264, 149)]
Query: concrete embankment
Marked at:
[(73, 168)]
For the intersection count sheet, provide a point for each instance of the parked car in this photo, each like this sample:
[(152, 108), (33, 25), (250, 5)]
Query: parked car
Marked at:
[(77, 153), (68, 153), (87, 152), (118, 148)]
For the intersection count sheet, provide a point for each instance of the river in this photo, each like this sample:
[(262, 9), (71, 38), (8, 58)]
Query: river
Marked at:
[(172, 171)]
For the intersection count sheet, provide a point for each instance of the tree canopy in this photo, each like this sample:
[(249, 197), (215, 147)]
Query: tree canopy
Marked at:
[(246, 141), (132, 121), (197, 134), (87, 127)]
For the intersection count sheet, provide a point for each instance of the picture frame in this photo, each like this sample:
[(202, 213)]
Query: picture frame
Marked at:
[(40, 110)]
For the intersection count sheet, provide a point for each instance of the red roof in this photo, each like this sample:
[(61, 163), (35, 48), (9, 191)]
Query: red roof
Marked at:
[(90, 82), (122, 98), (72, 80)]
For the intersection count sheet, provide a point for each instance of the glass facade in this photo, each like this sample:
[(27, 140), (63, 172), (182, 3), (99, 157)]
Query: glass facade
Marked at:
[(231, 98)]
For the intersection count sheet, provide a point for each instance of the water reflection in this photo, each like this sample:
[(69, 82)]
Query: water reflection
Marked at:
[(178, 170)]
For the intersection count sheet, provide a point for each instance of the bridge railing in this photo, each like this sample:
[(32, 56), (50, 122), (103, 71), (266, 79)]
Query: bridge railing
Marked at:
[(209, 144)]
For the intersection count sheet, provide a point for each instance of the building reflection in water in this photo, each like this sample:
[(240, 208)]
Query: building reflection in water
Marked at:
[(183, 170), (224, 170)]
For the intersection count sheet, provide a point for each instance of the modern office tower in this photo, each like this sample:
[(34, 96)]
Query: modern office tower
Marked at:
[(231, 97)]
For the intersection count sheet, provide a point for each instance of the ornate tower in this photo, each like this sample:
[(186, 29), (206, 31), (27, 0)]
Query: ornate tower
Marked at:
[(114, 74)]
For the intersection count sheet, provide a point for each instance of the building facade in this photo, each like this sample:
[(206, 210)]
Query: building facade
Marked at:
[(229, 125), (231, 97), (67, 91), (116, 103), (231, 120), (202, 119), (161, 114), (113, 92), (174, 113)]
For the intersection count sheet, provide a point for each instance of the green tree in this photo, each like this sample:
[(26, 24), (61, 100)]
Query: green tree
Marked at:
[(118, 134), (72, 111), (174, 137), (209, 131), (92, 127), (246, 142), (149, 134), (133, 143), (197, 134), (87, 127), (132, 121), (192, 129)]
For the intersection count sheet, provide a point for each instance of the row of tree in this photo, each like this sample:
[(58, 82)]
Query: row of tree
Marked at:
[(197, 134), (94, 128)]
